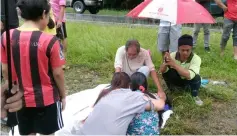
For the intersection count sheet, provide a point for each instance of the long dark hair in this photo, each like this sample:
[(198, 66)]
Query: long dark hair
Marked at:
[(119, 80), (139, 82)]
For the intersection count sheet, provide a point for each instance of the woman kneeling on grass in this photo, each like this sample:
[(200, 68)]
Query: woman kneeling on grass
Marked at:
[(145, 123), (116, 107)]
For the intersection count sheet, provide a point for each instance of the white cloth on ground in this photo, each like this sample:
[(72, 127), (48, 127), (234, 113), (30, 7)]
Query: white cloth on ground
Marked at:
[(78, 107)]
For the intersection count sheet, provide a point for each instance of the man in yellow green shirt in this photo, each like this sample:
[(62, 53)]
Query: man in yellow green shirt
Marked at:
[(182, 68)]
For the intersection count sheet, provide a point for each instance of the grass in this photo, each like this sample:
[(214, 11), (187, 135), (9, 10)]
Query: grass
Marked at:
[(102, 12), (92, 47)]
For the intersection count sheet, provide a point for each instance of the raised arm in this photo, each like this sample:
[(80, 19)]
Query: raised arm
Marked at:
[(221, 5)]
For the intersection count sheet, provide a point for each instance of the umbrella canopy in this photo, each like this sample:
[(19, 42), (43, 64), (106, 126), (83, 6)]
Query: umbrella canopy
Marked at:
[(175, 11)]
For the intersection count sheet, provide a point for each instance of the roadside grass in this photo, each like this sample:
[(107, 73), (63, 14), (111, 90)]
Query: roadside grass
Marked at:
[(92, 47), (102, 12)]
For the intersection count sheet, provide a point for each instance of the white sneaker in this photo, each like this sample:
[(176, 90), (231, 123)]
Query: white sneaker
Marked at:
[(198, 101)]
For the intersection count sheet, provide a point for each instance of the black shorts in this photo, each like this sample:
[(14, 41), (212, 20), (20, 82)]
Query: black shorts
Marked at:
[(46, 120), (62, 32)]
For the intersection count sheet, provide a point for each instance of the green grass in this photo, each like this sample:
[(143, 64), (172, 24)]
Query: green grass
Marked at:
[(93, 46), (102, 12), (97, 44)]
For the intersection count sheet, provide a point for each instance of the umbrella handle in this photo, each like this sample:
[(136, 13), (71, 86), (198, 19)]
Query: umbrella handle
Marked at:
[(11, 121)]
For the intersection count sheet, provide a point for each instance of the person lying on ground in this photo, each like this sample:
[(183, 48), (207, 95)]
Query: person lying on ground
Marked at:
[(182, 68), (147, 122), (116, 107), (132, 58)]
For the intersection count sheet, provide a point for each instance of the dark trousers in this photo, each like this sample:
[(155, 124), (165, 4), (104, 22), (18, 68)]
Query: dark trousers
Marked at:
[(173, 79)]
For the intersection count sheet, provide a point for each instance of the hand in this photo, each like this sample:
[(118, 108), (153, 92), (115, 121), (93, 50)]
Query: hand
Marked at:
[(225, 8), (15, 102), (3, 100), (63, 101), (2, 26), (168, 60), (161, 94), (59, 24)]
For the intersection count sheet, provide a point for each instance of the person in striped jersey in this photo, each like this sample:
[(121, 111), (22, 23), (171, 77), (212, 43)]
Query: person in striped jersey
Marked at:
[(37, 68)]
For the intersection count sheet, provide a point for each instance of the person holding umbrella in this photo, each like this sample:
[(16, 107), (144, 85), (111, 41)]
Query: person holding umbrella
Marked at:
[(168, 36), (181, 69), (230, 22), (206, 27)]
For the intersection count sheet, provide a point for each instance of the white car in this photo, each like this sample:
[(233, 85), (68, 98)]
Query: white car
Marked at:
[(80, 6)]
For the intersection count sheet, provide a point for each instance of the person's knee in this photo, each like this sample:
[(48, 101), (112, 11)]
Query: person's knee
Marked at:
[(197, 78), (145, 70)]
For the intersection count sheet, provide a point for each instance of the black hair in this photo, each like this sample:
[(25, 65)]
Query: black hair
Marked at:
[(33, 9), (51, 23), (119, 80), (133, 42), (139, 79), (185, 40)]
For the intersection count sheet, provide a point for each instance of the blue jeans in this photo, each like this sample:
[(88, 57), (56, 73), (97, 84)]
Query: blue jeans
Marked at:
[(228, 26), (145, 70)]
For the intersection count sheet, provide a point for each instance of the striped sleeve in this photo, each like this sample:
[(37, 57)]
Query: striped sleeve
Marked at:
[(56, 55)]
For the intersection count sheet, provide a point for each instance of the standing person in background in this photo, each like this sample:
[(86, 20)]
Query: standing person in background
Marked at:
[(168, 36), (13, 23), (206, 27), (58, 7), (230, 22)]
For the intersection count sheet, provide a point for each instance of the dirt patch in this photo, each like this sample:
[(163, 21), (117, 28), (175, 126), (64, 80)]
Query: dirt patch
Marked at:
[(80, 78), (221, 121)]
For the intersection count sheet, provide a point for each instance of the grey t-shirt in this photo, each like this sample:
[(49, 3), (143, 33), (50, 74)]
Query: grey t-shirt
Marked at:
[(114, 112)]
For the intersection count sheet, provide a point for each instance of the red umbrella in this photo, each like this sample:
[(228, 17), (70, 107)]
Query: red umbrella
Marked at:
[(175, 11)]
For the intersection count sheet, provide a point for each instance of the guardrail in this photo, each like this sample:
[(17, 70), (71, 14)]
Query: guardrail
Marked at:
[(126, 20)]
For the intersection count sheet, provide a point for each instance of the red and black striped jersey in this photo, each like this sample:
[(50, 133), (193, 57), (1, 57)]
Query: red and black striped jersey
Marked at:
[(34, 56)]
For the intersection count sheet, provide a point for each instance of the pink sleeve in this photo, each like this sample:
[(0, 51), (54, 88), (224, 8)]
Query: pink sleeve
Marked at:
[(56, 57), (62, 2), (3, 49)]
